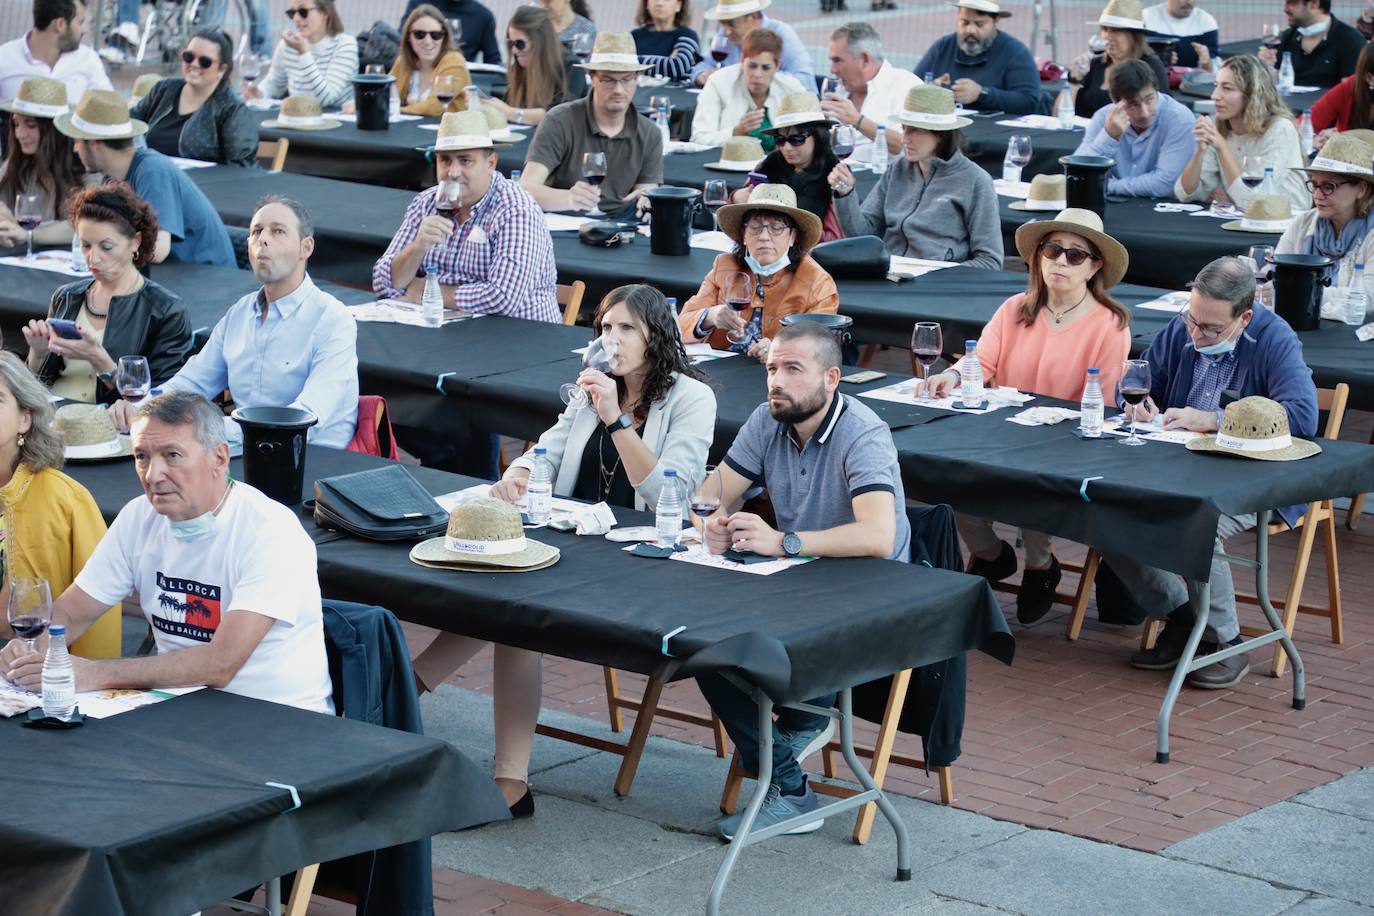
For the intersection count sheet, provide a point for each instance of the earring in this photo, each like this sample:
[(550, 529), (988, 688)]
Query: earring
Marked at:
[(21, 440)]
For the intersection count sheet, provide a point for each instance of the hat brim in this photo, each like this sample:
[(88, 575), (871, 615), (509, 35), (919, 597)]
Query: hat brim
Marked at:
[(324, 124), (433, 553), (1135, 25), (119, 447), (1000, 14), (809, 223), (1235, 226), (731, 166), (714, 14), (1115, 260), (1299, 448), (916, 121), (63, 123), (1025, 206)]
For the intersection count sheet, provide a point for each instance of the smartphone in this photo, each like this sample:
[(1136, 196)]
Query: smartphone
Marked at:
[(64, 328), (755, 178), (866, 375)]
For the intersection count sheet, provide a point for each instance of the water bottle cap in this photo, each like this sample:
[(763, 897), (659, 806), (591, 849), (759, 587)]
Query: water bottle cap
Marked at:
[(58, 629), (1093, 370), (671, 300), (1359, 265), (970, 344), (670, 473), (541, 451)]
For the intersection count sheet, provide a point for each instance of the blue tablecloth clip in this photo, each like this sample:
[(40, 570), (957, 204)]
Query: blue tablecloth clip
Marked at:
[(668, 636), (295, 796), (1083, 490), (439, 382)]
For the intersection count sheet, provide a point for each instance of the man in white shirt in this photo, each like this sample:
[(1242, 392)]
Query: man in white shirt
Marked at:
[(290, 344), (1195, 29), (53, 48), (224, 575), (874, 89)]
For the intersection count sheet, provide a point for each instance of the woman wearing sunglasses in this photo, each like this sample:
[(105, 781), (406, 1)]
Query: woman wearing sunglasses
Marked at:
[(1044, 341), (803, 160), (1337, 227), (427, 55), (198, 115), (315, 56), (540, 71), (742, 99)]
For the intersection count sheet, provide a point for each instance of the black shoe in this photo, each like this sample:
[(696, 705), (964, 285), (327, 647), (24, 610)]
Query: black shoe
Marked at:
[(524, 806), (1167, 651), (1036, 596), (1219, 675), (995, 570)]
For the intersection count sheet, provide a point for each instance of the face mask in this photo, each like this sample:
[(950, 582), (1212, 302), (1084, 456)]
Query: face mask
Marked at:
[(1220, 348), (761, 270), (200, 527)]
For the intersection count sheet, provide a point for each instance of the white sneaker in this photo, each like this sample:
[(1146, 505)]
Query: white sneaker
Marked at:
[(129, 32)]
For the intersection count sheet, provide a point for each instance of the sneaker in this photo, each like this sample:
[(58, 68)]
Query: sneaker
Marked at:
[(777, 808), (1167, 651), (995, 570), (1036, 595), (808, 741), (1219, 675)]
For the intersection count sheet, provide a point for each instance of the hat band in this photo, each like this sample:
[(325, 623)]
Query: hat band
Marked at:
[(797, 117), (102, 130), (485, 548), (628, 59), (1322, 164), (299, 119), (979, 5), (24, 106), (1272, 225), (462, 141), (1121, 22), (1273, 444), (930, 116), (730, 10), (1056, 205)]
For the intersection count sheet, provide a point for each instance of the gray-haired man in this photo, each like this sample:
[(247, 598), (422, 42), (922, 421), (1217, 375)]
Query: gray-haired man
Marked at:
[(874, 89)]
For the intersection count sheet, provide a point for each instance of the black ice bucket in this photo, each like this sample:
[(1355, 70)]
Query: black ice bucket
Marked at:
[(838, 325), (274, 449), (1086, 182), (1298, 285), (670, 219), (372, 100)]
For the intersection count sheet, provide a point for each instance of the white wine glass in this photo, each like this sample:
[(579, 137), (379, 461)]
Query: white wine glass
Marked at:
[(602, 354)]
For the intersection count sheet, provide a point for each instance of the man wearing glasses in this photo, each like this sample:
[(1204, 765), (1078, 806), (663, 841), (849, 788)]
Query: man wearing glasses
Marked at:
[(604, 121), (1218, 343), (1147, 132)]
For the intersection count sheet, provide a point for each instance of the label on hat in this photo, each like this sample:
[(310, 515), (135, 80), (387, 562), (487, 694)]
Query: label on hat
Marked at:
[(1265, 225), (797, 117), (299, 119), (1274, 444), (731, 10), (1055, 205), (23, 106), (1121, 22), (462, 141), (485, 548), (1322, 164), (627, 59), (102, 130), (930, 117)]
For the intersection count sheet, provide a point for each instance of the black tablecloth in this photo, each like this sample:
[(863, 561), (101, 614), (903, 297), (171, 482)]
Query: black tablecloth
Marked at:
[(164, 810), (986, 144), (822, 626)]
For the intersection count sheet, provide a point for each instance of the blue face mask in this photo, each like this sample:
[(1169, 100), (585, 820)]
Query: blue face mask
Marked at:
[(761, 270), (200, 527), (1220, 348)]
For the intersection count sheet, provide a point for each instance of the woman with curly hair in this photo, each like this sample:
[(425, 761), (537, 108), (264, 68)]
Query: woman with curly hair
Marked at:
[(118, 312), (650, 413), (1252, 122)]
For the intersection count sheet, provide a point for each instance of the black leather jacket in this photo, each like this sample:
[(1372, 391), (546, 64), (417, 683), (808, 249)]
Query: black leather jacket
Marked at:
[(222, 130)]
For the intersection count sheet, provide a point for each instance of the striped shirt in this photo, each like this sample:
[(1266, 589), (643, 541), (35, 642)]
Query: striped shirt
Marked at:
[(670, 53), (499, 261), (326, 71)]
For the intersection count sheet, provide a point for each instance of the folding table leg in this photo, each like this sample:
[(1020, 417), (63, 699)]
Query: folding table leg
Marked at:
[(1272, 615), (865, 779), (765, 779), (274, 897), (1166, 709)]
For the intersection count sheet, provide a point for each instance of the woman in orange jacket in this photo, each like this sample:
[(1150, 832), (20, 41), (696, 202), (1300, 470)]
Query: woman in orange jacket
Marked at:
[(427, 56)]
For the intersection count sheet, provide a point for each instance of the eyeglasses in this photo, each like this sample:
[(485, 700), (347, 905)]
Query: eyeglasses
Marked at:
[(517, 44), (618, 82), (1327, 188), (300, 12), (765, 227), (206, 63), (421, 34), (1051, 251), (1205, 331), (796, 139)]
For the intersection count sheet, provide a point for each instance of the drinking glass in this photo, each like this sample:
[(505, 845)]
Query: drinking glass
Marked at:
[(739, 295), (714, 195), (660, 103), (1097, 44), (133, 379), (706, 500), (582, 46), (1134, 388), (1273, 35), (594, 172), (601, 355), (1021, 150), (833, 87), (28, 213), (375, 70), (30, 608), (250, 68), (842, 141), (927, 343), (446, 89), (1263, 256), (455, 33), (720, 48), (1251, 171), (447, 196)]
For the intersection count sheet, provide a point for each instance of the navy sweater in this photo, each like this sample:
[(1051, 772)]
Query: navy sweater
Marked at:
[(1007, 72)]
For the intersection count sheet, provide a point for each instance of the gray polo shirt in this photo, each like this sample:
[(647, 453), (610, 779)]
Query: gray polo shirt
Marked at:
[(813, 488), (633, 157)]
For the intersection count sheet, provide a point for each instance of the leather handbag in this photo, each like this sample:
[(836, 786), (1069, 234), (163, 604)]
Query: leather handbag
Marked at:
[(381, 504), (606, 233), (862, 257)]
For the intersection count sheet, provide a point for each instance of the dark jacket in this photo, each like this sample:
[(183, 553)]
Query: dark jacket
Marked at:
[(1007, 73), (811, 185), (1093, 94), (152, 322), (1332, 60), (222, 130)]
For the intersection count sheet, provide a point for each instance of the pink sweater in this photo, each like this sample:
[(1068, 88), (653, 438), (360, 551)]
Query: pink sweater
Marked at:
[(1043, 359)]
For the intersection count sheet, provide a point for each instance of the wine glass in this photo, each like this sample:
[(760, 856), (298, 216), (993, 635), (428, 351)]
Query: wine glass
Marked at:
[(250, 68), (601, 355), (1021, 150), (1097, 44), (582, 46), (30, 608), (1134, 387), (842, 141), (374, 70), (1251, 171), (455, 33), (927, 343), (706, 501), (133, 379), (1263, 257), (594, 172), (446, 89), (739, 295), (832, 87), (715, 193), (1273, 35), (448, 196), (28, 213), (720, 48)]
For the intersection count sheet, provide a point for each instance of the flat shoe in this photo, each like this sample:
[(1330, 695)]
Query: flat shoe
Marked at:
[(1036, 595)]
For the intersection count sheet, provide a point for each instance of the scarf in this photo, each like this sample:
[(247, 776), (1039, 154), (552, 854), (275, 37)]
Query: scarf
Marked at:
[(1323, 241)]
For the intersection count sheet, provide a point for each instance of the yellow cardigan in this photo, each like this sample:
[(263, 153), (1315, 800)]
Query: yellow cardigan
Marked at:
[(51, 528), (451, 63)]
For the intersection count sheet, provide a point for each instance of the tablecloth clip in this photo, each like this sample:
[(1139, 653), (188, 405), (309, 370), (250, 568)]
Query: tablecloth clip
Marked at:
[(1083, 490), (295, 796), (668, 636), (439, 382)]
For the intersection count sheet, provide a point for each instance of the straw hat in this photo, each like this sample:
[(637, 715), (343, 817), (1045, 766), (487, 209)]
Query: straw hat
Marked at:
[(102, 114), (1080, 222), (38, 97), (484, 535), (1122, 14), (1047, 192), (739, 154), (1364, 135), (301, 111), (931, 108), (1344, 155), (778, 198), (1255, 427), (459, 130), (983, 6), (88, 433), (796, 109), (142, 86), (499, 127), (733, 9), (614, 51), (1265, 214)]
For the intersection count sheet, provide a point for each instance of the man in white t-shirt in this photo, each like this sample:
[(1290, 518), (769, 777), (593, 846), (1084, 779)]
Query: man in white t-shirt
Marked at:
[(53, 48), (874, 89), (1195, 29), (225, 576)]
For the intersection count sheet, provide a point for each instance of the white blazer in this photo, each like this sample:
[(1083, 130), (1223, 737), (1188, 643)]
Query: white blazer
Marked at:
[(1294, 241), (725, 99), (679, 430)]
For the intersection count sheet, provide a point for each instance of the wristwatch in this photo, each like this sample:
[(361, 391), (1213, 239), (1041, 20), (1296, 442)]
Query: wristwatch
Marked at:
[(624, 421), (791, 544), (106, 378)]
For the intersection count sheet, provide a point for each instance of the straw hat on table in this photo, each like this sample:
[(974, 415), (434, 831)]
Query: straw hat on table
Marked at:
[(484, 535), (1270, 214), (1257, 428), (1083, 223), (739, 154), (88, 433), (301, 112), (1047, 192)]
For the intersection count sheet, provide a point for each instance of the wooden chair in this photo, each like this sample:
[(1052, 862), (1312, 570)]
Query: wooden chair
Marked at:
[(1077, 600), (570, 297), (274, 150)]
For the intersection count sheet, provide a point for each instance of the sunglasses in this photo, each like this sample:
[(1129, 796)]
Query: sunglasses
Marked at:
[(1051, 251), (517, 44), (300, 12), (796, 139), (421, 34), (206, 63), (1326, 188)]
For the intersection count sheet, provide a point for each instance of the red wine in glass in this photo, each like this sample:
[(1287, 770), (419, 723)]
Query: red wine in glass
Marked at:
[(594, 180), (719, 54), (1251, 181), (444, 98), (1133, 396), (34, 627), (844, 150), (703, 509), (29, 223), (926, 357), (737, 303)]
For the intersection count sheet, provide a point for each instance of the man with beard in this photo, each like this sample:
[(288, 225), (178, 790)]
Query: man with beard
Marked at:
[(831, 472), (53, 48), (289, 344), (1325, 50), (988, 69)]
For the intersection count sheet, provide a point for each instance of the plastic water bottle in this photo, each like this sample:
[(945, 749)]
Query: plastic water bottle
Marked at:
[(1286, 77), (971, 376), (1309, 139), (78, 256), (1090, 408), (515, 175), (1011, 172), (1356, 299), (930, 76), (664, 119), (394, 103), (668, 514), (1267, 188), (1063, 109), (59, 680), (880, 149), (539, 491), (432, 302)]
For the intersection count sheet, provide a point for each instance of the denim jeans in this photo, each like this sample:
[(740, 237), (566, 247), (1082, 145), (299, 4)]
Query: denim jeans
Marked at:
[(740, 715)]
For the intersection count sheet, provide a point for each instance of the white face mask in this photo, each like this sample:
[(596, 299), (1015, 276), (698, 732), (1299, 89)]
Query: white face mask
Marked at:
[(1316, 28), (766, 270), (202, 526)]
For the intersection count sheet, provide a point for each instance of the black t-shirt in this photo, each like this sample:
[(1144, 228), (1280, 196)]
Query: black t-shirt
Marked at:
[(1331, 61), (165, 135), (592, 480), (1094, 95)]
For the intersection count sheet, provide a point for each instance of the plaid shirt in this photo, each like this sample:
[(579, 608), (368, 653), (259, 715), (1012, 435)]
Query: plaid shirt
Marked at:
[(1211, 374), (499, 262)]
